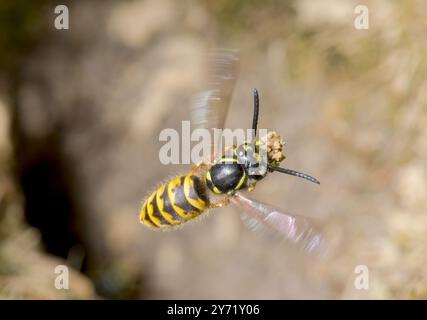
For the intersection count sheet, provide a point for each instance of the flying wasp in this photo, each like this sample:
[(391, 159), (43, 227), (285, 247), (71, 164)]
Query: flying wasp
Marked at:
[(216, 183)]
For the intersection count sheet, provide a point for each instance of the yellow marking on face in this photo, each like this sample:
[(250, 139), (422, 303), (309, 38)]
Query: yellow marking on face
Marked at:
[(160, 205), (246, 147), (172, 186), (197, 203)]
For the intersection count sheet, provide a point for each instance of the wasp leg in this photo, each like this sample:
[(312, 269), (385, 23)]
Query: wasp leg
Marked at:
[(220, 204), (251, 187), (251, 184)]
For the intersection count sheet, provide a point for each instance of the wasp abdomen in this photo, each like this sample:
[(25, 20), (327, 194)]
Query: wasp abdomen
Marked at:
[(179, 200)]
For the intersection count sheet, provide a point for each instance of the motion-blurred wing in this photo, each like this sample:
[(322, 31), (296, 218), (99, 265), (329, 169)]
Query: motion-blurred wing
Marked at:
[(209, 107), (296, 229)]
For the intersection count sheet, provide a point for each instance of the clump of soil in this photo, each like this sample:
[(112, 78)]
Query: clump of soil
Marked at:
[(275, 145)]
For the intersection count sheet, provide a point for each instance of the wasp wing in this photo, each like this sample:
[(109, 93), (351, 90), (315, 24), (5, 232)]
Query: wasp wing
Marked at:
[(298, 230), (209, 107)]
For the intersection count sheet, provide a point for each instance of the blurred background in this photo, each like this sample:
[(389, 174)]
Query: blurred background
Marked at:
[(80, 115)]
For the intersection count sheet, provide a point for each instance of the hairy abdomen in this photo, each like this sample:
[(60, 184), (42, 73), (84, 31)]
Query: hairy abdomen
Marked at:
[(175, 202)]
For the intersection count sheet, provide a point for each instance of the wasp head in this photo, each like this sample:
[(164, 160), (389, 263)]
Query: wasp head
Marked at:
[(255, 156)]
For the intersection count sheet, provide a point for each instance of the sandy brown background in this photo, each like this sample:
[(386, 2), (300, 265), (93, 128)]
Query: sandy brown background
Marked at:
[(80, 115)]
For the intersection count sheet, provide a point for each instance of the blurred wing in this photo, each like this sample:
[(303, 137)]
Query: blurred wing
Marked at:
[(295, 229), (209, 107)]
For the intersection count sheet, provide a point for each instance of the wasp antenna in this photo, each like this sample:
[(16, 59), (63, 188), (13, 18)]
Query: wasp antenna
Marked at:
[(256, 112), (294, 173)]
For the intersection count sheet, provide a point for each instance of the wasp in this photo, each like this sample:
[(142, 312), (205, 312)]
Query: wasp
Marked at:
[(214, 184)]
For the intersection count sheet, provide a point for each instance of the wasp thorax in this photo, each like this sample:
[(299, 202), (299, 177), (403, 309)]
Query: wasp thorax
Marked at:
[(275, 146)]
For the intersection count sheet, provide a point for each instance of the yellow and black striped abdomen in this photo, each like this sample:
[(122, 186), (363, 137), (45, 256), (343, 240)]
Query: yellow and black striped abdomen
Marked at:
[(177, 201)]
